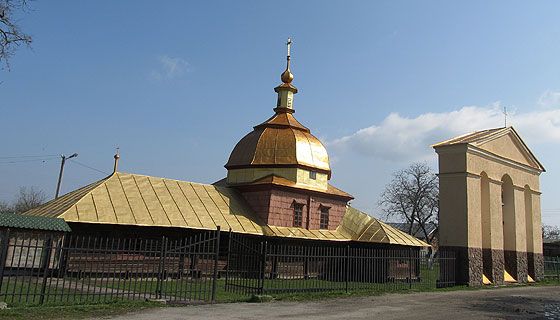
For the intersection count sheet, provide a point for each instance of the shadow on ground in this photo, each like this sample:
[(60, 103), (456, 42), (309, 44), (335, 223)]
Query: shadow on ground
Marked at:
[(518, 307)]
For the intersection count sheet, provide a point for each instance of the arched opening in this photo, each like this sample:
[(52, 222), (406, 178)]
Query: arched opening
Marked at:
[(485, 227), (529, 230), (508, 218)]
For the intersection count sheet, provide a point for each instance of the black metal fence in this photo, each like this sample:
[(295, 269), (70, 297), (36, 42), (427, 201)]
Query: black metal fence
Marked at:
[(258, 267), (38, 268), (552, 268)]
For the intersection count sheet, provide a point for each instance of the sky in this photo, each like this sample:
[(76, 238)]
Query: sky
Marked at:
[(176, 84)]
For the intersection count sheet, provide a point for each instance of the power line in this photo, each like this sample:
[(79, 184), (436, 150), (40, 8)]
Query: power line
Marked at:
[(89, 167), (28, 160), (36, 156)]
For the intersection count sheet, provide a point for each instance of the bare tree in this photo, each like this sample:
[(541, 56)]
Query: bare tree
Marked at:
[(11, 36), (551, 233), (28, 198), (5, 207), (413, 197)]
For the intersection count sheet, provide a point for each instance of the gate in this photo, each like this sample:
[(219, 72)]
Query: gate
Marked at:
[(246, 264)]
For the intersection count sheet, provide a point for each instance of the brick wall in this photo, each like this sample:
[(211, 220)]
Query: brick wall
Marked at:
[(276, 207)]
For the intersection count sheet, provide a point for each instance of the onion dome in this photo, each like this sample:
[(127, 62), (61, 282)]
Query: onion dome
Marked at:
[(281, 141)]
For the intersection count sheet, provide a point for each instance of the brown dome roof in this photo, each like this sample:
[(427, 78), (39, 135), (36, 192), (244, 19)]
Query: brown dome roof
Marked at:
[(281, 141)]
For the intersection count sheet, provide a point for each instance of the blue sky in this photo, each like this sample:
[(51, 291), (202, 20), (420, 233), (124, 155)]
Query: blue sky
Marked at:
[(176, 85)]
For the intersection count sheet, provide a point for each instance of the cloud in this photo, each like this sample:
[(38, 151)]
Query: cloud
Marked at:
[(402, 139), (549, 99), (170, 68)]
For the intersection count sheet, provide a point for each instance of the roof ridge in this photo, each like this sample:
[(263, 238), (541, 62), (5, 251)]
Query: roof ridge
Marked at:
[(462, 136)]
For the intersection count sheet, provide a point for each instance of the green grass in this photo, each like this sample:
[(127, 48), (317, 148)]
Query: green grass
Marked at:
[(78, 311)]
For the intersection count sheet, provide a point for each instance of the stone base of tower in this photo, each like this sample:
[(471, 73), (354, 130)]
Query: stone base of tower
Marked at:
[(515, 263), (536, 265), (468, 264), (493, 265)]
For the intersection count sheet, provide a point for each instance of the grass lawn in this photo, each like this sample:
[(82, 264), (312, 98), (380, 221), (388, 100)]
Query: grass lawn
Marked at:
[(47, 312)]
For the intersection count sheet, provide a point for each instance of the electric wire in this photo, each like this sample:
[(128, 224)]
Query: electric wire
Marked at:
[(29, 160), (35, 156), (89, 167)]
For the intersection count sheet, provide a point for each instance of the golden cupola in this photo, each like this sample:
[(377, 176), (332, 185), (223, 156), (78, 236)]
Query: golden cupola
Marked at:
[(280, 146)]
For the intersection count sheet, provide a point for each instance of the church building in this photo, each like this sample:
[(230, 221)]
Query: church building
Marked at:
[(277, 186)]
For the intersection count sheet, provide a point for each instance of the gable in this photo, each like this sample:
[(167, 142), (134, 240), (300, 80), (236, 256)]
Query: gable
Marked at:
[(510, 146)]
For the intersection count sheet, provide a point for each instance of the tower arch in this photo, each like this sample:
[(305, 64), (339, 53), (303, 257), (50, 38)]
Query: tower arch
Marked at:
[(486, 227)]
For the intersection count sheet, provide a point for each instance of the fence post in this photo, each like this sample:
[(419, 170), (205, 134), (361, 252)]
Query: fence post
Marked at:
[(3, 254), (228, 260), (410, 268), (347, 277), (45, 267), (263, 266), (161, 269), (216, 257), (557, 265)]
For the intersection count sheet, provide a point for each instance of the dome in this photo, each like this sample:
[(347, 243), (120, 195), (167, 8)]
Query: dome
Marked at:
[(281, 141)]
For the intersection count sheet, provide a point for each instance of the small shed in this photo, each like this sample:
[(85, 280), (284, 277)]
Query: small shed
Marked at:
[(23, 240)]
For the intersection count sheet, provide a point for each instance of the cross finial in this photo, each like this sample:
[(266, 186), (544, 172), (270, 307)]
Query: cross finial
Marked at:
[(116, 156), (505, 116), (289, 44)]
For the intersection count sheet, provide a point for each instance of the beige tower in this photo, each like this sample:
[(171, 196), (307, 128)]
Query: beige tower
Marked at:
[(490, 211)]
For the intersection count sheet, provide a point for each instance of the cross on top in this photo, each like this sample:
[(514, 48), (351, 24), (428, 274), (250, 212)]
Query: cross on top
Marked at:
[(289, 44)]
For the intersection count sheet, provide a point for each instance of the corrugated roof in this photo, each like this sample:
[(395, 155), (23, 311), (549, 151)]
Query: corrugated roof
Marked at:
[(132, 199), (18, 221), (362, 227), (416, 229)]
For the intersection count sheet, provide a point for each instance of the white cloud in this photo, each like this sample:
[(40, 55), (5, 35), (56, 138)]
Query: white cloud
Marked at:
[(170, 68), (402, 139), (549, 99)]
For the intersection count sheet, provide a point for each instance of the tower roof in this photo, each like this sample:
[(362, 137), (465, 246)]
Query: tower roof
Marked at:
[(281, 141)]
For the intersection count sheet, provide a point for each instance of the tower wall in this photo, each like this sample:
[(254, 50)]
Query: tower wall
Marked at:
[(489, 214)]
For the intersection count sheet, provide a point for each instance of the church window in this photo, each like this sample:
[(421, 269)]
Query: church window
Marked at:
[(298, 214), (313, 175), (324, 221)]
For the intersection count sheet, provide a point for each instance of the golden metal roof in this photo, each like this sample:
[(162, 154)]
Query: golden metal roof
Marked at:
[(362, 227), (280, 141), (132, 199), (280, 181)]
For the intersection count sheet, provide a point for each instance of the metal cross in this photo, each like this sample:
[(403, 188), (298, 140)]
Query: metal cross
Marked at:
[(289, 44)]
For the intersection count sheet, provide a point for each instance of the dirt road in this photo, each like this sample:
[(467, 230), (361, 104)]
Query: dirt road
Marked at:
[(504, 303)]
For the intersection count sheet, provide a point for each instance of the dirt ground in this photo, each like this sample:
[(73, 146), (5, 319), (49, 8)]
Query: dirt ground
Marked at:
[(505, 303)]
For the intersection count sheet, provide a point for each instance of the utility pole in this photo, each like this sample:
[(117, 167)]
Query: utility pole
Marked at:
[(62, 162)]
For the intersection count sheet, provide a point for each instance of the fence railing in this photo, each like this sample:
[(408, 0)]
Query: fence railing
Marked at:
[(552, 268), (44, 268), (55, 268), (256, 266)]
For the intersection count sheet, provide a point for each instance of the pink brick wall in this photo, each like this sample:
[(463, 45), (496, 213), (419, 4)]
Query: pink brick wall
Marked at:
[(276, 207), (259, 202)]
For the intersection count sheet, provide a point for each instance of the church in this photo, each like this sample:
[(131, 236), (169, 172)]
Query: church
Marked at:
[(277, 186)]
